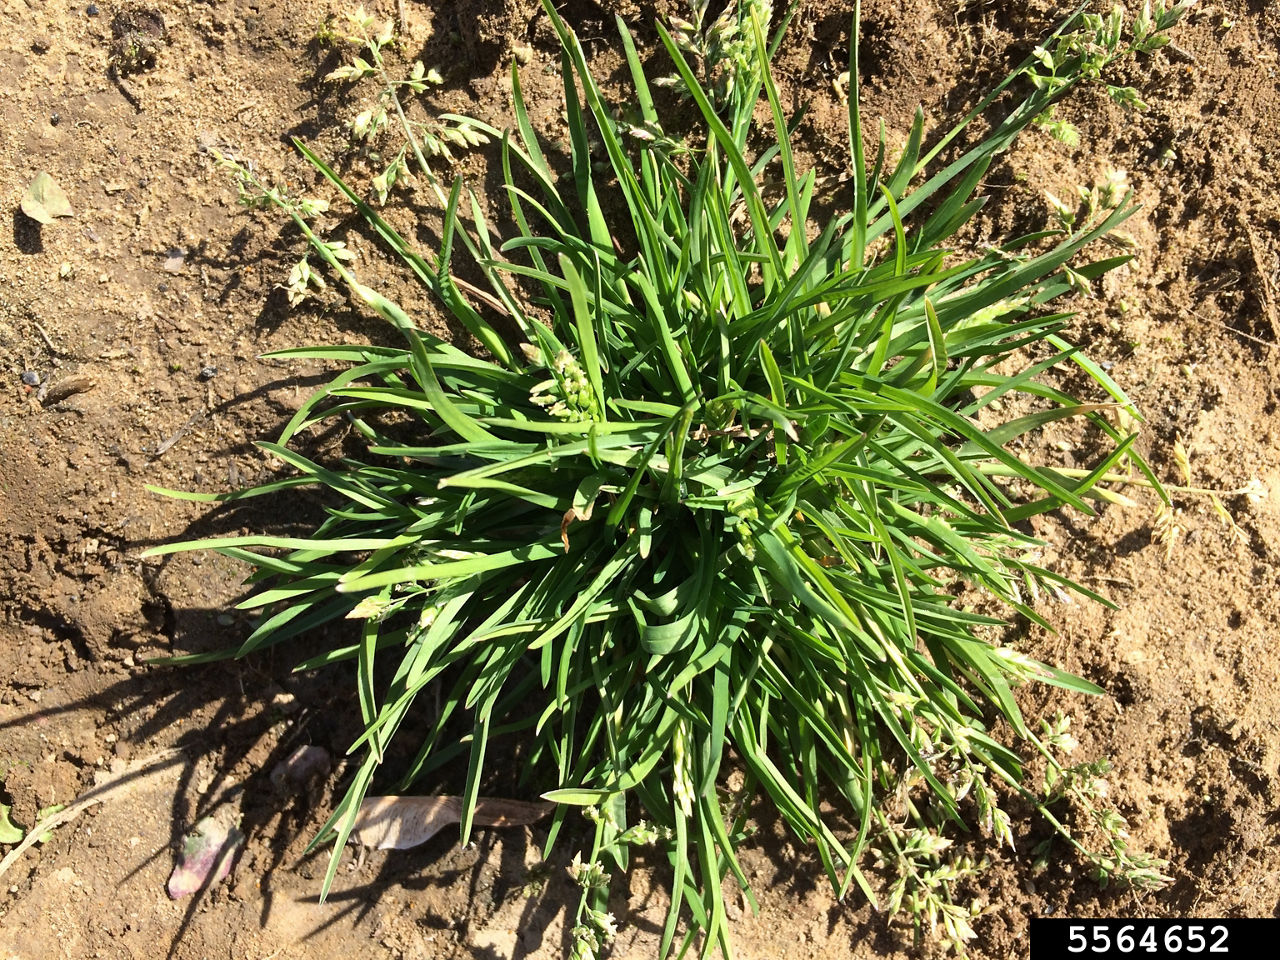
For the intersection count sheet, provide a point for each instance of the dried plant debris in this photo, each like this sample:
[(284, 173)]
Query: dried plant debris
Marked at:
[(398, 823), (44, 200)]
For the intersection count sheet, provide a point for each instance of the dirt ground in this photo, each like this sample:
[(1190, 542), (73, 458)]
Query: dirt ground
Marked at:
[(144, 315)]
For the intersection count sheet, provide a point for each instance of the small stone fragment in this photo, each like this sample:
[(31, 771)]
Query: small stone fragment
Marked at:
[(297, 771)]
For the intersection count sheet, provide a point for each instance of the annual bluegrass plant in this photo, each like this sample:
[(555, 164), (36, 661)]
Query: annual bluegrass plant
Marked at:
[(698, 530)]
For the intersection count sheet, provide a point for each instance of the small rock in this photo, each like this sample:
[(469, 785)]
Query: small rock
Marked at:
[(31, 378), (300, 768), (92, 10), (208, 372), (285, 702)]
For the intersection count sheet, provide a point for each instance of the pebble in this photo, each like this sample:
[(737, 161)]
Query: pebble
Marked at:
[(91, 9), (31, 378), (285, 702), (208, 373), (305, 764)]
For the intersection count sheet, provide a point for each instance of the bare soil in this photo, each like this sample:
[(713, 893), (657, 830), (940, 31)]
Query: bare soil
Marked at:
[(144, 316)]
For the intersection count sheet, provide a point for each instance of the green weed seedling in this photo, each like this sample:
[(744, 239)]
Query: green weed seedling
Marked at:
[(708, 512), (10, 832)]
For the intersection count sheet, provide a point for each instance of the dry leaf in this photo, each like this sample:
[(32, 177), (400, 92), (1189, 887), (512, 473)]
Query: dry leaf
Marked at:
[(398, 823), (45, 200), (569, 517)]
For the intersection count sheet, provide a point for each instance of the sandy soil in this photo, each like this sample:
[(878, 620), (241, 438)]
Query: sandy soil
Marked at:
[(144, 316)]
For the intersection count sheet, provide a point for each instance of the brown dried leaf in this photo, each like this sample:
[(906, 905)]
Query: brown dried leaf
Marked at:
[(398, 823)]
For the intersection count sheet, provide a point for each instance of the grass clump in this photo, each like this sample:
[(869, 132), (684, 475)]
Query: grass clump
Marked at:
[(711, 506)]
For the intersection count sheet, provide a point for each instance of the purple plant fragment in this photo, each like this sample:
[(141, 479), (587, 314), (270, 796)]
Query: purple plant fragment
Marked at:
[(206, 858)]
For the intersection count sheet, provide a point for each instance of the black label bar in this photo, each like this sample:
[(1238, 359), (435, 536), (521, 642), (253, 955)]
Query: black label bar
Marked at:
[(1111, 938)]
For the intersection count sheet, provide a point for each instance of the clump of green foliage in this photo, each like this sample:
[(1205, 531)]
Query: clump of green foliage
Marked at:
[(711, 508)]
